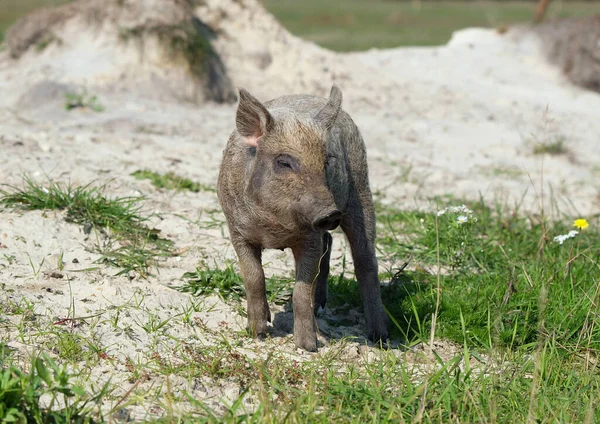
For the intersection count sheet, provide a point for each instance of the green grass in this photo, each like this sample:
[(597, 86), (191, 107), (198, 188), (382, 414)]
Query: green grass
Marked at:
[(170, 181), (554, 147), (12, 10), (131, 244), (228, 285), (505, 282), (82, 101), (21, 393), (348, 25), (524, 308)]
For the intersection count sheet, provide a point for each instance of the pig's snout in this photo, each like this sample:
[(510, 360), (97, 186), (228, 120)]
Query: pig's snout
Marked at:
[(329, 221)]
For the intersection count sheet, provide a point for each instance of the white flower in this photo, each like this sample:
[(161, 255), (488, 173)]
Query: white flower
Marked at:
[(456, 209), (462, 219), (561, 238)]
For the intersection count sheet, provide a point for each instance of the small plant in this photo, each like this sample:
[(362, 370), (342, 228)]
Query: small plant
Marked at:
[(228, 285), (21, 393), (83, 101), (555, 147), (133, 246), (170, 181), (204, 281)]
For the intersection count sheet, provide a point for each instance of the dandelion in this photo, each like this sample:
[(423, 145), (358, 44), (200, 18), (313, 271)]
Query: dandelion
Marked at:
[(581, 223), (462, 219)]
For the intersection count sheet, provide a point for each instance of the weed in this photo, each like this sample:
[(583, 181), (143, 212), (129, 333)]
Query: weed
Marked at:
[(554, 147), (83, 101), (21, 393), (228, 285), (134, 246), (170, 181)]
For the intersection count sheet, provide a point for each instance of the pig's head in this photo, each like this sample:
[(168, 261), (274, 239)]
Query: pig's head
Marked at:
[(291, 159)]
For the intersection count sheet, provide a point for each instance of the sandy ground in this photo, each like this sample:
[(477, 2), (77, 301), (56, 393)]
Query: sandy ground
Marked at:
[(458, 119)]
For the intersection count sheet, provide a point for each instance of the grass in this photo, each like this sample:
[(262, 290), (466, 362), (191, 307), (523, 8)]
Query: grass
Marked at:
[(502, 276), (82, 101), (228, 285), (555, 147), (12, 10), (523, 307), (21, 395), (349, 25), (131, 245), (170, 181)]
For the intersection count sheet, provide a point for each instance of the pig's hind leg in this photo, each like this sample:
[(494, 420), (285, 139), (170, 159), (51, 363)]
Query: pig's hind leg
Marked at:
[(321, 284), (359, 226)]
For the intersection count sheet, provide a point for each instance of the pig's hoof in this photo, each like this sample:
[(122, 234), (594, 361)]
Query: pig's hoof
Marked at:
[(257, 328), (377, 331), (306, 342), (320, 301)]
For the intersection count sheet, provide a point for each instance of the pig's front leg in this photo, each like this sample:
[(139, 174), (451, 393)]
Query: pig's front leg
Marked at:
[(254, 281), (308, 256)]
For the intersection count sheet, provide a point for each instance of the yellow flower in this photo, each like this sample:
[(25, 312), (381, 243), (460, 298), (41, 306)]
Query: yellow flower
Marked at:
[(581, 223)]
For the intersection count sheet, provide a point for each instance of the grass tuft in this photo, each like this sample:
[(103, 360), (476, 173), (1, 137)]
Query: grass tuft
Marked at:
[(21, 394), (228, 284), (170, 181), (82, 101), (554, 148), (132, 245)]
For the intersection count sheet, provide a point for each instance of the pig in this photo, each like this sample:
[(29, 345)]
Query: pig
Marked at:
[(294, 169)]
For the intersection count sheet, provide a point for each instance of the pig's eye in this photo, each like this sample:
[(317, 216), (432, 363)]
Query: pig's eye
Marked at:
[(285, 162), (282, 163)]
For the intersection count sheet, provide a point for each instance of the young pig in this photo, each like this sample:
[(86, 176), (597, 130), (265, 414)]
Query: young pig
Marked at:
[(294, 169)]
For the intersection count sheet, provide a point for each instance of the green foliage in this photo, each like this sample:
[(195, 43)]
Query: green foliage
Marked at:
[(554, 147), (545, 388), (83, 101), (170, 181), (21, 393), (228, 284), (502, 274), (133, 246), (350, 25)]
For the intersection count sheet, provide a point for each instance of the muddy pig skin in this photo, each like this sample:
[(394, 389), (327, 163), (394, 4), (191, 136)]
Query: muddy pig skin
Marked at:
[(294, 169)]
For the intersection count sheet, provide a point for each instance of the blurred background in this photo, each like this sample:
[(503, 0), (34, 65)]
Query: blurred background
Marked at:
[(349, 25)]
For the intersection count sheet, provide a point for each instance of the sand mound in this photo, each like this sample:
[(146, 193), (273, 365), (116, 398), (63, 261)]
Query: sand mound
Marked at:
[(157, 48), (574, 45), (171, 49)]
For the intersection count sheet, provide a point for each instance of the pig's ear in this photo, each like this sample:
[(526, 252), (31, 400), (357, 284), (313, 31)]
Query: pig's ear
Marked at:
[(252, 119), (326, 116)]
